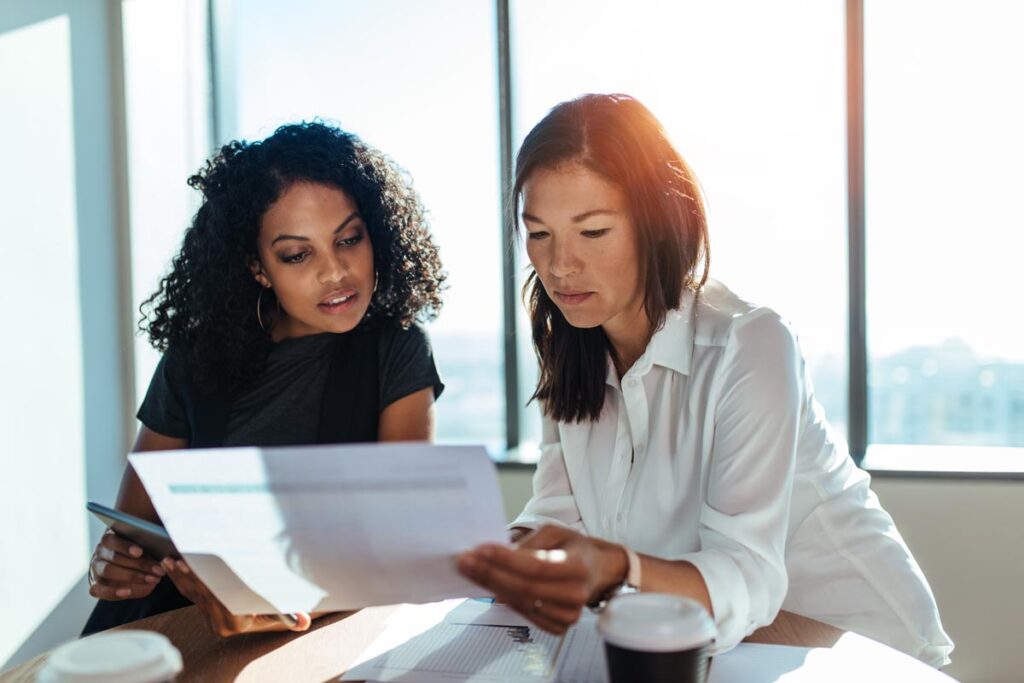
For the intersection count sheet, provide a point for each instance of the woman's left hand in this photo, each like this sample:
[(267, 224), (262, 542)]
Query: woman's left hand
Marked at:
[(549, 576), (223, 622)]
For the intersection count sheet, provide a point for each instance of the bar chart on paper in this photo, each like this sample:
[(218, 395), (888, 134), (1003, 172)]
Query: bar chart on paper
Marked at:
[(459, 640), (481, 651)]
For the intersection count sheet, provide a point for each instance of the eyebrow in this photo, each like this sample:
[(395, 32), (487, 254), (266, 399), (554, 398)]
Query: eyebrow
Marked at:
[(351, 217), (575, 219)]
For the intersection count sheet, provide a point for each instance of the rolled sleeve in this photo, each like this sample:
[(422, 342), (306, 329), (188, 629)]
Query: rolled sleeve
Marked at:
[(552, 501), (743, 521)]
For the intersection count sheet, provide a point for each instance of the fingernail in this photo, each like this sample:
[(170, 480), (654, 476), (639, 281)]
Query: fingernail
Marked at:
[(184, 568), (467, 562), (168, 564), (135, 551), (158, 570), (124, 592), (151, 579)]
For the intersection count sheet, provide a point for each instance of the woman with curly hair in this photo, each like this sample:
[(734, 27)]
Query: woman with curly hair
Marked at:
[(288, 317)]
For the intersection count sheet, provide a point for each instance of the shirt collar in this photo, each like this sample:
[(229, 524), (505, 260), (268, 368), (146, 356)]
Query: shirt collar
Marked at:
[(671, 346)]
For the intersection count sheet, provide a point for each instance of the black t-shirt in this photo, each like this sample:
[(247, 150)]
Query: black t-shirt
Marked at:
[(325, 376), (283, 406)]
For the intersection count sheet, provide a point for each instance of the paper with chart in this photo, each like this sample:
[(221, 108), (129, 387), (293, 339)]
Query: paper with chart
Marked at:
[(467, 641), (459, 640), (326, 528)]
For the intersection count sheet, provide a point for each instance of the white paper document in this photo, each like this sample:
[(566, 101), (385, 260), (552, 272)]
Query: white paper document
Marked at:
[(459, 640), (326, 528), (475, 642)]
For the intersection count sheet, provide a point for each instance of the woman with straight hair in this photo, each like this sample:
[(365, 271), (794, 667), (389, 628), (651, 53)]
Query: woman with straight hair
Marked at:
[(683, 450), (289, 317)]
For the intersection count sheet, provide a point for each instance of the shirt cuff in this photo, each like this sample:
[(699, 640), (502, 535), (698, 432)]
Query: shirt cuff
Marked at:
[(730, 600)]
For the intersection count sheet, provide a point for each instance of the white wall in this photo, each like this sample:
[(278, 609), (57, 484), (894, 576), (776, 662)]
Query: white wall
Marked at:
[(63, 391), (41, 406), (968, 536)]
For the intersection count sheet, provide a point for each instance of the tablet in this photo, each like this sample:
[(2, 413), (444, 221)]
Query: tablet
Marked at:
[(151, 537)]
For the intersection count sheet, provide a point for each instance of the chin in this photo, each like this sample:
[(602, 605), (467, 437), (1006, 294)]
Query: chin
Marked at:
[(581, 320), (340, 326)]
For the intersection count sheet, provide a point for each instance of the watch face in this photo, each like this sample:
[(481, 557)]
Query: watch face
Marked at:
[(624, 589)]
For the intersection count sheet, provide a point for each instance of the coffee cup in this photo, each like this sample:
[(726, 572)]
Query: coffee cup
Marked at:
[(114, 657), (656, 637)]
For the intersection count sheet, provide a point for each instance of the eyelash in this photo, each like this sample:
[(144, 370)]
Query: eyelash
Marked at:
[(301, 256), (591, 234)]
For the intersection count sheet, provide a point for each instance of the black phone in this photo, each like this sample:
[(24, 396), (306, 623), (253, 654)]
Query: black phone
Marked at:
[(151, 537)]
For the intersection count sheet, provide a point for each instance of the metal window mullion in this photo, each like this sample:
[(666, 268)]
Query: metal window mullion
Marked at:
[(223, 121), (122, 228), (857, 407), (508, 266), (211, 57)]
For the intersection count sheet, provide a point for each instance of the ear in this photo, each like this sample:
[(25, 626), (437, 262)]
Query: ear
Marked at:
[(260, 275)]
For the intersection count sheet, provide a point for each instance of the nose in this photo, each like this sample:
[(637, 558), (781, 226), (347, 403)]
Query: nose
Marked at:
[(333, 269), (564, 260)]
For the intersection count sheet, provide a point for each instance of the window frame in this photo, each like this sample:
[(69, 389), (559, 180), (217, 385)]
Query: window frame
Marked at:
[(858, 414)]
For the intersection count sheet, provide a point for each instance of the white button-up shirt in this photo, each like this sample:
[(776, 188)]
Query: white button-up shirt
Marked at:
[(713, 450)]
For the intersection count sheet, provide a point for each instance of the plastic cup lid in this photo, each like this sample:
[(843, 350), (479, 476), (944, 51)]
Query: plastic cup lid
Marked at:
[(656, 622), (114, 657)]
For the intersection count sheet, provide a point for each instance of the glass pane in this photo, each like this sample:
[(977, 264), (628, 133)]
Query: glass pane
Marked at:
[(41, 388), (944, 227), (753, 94), (167, 101), (417, 80)]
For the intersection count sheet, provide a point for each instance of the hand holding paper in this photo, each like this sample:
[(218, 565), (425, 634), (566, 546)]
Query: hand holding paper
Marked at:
[(326, 528)]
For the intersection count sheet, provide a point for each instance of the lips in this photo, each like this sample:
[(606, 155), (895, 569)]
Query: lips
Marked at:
[(338, 301), (572, 297), (337, 297)]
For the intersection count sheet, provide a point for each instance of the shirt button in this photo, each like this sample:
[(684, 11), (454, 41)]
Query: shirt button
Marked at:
[(633, 382)]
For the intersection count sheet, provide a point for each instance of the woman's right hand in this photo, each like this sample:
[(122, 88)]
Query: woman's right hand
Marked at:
[(120, 570)]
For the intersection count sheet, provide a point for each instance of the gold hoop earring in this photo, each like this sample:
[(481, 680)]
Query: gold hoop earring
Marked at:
[(259, 308)]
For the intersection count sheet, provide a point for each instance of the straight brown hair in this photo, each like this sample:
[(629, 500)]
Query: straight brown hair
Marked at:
[(618, 138)]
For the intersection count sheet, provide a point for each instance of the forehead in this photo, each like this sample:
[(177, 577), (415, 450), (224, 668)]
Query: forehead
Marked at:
[(569, 190), (308, 204)]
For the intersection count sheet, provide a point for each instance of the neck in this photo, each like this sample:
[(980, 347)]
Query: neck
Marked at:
[(286, 327), (629, 333)]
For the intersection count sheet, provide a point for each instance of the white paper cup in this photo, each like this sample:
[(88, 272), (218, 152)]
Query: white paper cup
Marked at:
[(114, 657), (656, 637)]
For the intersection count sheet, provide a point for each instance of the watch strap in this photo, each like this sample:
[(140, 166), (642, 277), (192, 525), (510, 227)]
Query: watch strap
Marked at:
[(631, 584), (633, 574)]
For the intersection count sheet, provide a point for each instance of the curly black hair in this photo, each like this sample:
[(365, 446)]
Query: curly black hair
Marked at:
[(206, 307)]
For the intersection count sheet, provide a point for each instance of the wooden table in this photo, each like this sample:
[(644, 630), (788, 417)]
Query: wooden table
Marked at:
[(325, 651)]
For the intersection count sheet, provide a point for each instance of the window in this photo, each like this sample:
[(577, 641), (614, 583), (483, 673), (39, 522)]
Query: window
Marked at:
[(418, 81), (754, 100), (168, 120), (944, 232), (753, 95)]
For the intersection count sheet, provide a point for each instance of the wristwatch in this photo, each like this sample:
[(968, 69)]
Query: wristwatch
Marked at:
[(631, 584)]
